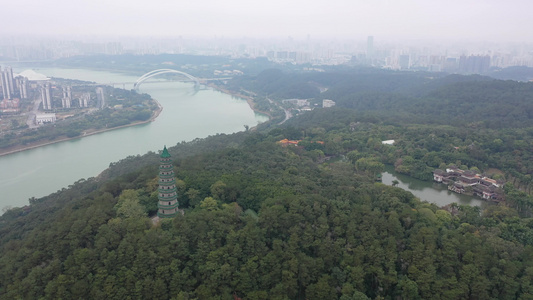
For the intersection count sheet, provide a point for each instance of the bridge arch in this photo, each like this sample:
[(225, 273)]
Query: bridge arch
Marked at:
[(164, 71)]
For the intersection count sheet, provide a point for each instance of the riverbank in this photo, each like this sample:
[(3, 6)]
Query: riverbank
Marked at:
[(89, 132), (37, 144), (249, 99)]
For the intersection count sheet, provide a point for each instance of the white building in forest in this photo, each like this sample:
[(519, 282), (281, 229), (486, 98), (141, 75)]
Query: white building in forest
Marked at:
[(328, 103), (45, 118)]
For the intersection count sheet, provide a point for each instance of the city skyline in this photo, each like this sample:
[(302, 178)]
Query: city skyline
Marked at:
[(469, 21)]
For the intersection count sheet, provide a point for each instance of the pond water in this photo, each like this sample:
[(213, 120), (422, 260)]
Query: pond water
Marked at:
[(428, 190)]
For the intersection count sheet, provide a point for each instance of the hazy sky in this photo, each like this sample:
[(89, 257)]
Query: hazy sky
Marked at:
[(491, 20)]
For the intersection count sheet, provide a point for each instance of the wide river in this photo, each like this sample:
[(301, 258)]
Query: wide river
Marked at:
[(187, 114)]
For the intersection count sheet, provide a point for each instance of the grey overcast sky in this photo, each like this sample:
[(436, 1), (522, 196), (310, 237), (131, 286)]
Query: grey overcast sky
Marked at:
[(489, 20)]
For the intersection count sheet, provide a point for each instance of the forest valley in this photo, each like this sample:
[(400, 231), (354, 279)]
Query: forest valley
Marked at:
[(266, 221)]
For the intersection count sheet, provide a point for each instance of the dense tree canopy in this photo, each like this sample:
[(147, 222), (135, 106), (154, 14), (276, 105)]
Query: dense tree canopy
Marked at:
[(263, 221), (267, 221), (401, 97)]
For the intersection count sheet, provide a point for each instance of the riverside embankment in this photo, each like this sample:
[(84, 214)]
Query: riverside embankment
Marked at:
[(89, 132), (187, 114)]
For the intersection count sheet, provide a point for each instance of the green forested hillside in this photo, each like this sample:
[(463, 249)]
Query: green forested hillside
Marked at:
[(503, 154), (406, 97), (266, 221), (263, 221)]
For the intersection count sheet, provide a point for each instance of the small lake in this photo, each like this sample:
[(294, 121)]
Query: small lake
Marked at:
[(429, 191)]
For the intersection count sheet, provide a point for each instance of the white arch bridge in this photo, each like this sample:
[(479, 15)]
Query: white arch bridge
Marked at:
[(164, 71)]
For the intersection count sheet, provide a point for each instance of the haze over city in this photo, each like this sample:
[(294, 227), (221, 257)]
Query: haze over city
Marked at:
[(470, 20)]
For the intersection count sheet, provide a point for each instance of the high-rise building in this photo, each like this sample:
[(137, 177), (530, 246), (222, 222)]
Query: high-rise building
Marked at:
[(474, 64), (403, 61), (450, 65), (282, 55), (22, 86), (167, 192), (9, 73), (370, 47), (84, 100), (5, 87), (7, 83), (46, 96), (66, 100)]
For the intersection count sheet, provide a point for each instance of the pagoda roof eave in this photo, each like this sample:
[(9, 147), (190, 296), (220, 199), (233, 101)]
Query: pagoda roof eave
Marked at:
[(165, 153)]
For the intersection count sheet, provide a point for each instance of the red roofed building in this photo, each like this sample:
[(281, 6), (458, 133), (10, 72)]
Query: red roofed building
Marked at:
[(6, 104)]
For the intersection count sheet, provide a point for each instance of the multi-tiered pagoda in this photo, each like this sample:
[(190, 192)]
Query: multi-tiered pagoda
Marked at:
[(168, 196)]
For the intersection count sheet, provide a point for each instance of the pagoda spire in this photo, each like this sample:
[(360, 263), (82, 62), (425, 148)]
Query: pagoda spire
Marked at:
[(167, 192)]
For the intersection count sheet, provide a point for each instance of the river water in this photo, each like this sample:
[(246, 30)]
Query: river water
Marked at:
[(428, 190), (187, 114)]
